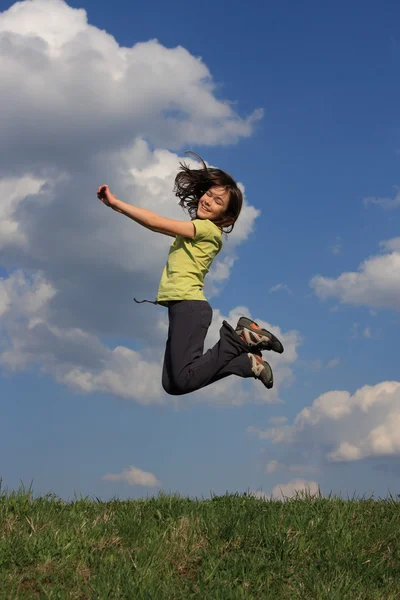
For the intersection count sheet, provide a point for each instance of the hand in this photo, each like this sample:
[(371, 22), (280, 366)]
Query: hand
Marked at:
[(104, 194)]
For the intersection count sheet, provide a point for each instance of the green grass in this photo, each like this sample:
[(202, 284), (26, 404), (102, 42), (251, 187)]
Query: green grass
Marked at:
[(227, 547)]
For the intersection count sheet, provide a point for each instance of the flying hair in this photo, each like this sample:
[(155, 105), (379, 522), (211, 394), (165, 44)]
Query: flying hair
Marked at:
[(192, 184)]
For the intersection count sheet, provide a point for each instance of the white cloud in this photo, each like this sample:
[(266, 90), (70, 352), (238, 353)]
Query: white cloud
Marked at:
[(134, 476), (81, 361), (55, 114), (65, 80), (385, 203), (341, 427), (21, 295), (375, 284), (281, 364), (12, 192), (281, 287), (153, 183), (295, 487), (283, 491), (64, 132), (70, 355), (392, 245), (126, 375)]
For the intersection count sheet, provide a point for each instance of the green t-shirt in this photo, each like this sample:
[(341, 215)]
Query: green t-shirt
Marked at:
[(189, 260)]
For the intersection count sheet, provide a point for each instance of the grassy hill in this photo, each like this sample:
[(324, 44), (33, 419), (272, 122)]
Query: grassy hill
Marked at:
[(227, 547)]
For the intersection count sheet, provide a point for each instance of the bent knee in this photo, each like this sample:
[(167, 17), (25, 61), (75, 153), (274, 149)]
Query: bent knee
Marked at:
[(175, 388), (170, 388)]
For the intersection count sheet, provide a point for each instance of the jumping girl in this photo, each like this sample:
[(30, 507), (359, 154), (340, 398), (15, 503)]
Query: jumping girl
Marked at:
[(213, 201)]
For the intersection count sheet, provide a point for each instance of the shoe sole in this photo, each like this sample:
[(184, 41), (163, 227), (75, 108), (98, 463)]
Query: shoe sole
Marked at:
[(275, 344)]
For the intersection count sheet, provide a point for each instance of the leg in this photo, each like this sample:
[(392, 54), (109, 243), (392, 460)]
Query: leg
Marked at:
[(186, 368), (167, 382), (240, 366), (247, 365)]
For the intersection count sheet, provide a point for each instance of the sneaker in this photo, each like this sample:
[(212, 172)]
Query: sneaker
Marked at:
[(261, 370), (253, 335)]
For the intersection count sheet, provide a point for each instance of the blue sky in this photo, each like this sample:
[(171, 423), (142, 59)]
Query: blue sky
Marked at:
[(321, 166)]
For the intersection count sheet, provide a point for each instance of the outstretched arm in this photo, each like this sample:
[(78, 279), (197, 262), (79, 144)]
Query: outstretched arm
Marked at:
[(123, 212), (145, 217)]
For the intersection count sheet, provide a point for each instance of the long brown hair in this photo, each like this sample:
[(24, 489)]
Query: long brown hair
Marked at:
[(192, 184)]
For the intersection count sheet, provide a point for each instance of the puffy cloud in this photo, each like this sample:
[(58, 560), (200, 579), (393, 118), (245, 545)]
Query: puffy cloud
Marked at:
[(375, 284), (392, 245), (134, 476), (151, 183), (69, 89), (341, 427), (72, 356), (385, 203), (281, 364), (83, 362), (12, 192), (72, 118), (294, 488), (68, 132), (19, 296)]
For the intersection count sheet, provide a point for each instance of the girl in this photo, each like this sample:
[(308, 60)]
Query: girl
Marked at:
[(213, 201)]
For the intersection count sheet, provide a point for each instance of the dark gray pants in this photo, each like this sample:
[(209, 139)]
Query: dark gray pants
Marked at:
[(186, 368)]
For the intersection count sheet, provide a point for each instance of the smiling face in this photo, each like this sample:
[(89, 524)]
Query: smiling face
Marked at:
[(213, 204)]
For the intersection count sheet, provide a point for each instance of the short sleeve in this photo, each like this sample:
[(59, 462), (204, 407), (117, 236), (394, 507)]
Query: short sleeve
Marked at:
[(206, 230)]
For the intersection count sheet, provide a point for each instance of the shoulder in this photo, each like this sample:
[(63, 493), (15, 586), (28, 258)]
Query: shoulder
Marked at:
[(206, 230)]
